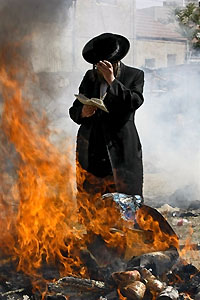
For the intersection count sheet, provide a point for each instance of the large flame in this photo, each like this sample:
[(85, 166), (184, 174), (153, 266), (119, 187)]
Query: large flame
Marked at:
[(38, 208)]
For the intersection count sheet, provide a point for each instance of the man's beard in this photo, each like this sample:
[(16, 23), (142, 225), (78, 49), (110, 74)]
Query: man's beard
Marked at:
[(100, 77)]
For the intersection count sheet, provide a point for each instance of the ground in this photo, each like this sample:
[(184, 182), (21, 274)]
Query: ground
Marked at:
[(186, 224)]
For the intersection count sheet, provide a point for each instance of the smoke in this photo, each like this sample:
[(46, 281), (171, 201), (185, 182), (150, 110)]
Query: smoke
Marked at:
[(169, 127), (21, 17), (37, 33), (49, 36)]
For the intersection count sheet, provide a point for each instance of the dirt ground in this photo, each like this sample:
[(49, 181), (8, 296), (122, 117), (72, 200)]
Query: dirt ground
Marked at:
[(186, 224)]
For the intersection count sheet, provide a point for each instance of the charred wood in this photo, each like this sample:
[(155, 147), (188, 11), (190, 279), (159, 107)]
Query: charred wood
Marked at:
[(169, 293), (134, 290), (197, 296), (102, 260), (94, 271), (14, 285), (185, 296), (18, 294), (152, 283), (181, 272), (124, 278), (72, 286), (58, 297), (190, 286), (104, 255), (148, 295), (111, 296), (159, 262)]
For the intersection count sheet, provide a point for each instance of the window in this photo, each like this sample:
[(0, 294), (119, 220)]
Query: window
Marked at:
[(171, 60), (150, 63)]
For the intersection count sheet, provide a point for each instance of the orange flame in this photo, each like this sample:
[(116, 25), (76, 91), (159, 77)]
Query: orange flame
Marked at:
[(38, 216), (188, 244), (103, 218), (121, 297), (189, 252)]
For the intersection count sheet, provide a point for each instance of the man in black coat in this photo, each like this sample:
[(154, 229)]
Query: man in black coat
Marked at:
[(108, 147)]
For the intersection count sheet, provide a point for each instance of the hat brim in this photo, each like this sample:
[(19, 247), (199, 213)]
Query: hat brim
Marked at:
[(92, 57)]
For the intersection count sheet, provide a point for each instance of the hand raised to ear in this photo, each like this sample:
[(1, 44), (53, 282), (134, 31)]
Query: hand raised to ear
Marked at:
[(106, 69)]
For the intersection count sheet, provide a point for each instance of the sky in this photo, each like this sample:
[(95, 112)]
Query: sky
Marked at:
[(148, 3)]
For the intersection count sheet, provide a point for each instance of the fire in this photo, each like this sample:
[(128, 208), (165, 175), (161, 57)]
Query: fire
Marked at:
[(38, 208), (188, 297), (104, 218), (162, 235), (188, 252), (121, 297)]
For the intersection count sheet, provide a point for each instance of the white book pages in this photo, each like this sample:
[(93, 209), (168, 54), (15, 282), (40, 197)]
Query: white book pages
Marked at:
[(92, 101)]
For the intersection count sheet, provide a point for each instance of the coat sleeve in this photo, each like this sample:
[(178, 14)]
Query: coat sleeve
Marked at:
[(76, 108), (127, 95)]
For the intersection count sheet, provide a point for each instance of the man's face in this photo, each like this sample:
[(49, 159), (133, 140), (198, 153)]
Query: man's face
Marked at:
[(99, 75)]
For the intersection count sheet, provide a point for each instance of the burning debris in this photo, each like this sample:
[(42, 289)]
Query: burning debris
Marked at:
[(156, 274), (137, 284)]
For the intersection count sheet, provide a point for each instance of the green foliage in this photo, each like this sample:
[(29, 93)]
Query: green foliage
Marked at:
[(189, 22)]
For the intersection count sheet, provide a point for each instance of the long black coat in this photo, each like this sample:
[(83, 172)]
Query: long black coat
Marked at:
[(108, 143)]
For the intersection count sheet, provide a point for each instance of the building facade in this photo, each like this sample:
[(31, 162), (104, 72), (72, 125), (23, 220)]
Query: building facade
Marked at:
[(180, 2), (158, 45)]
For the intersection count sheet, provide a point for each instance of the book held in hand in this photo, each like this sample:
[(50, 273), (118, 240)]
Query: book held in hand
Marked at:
[(92, 101)]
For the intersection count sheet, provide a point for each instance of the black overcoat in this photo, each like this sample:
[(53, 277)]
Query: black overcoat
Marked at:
[(108, 142)]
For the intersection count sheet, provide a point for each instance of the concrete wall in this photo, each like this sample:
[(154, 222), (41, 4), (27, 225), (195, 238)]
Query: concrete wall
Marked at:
[(147, 49)]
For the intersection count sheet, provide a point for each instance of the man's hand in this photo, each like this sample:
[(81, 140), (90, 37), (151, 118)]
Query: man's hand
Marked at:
[(106, 69), (88, 111)]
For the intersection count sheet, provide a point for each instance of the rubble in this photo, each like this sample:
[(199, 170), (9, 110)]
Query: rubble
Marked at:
[(126, 277), (156, 275), (152, 283), (169, 293), (72, 286), (134, 290), (159, 262)]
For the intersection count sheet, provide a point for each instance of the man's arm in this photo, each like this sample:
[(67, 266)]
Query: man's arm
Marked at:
[(129, 94)]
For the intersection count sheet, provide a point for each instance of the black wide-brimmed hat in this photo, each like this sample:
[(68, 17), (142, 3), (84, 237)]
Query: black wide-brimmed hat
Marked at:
[(106, 46)]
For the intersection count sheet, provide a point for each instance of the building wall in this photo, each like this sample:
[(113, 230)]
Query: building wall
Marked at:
[(158, 13), (179, 2), (158, 50)]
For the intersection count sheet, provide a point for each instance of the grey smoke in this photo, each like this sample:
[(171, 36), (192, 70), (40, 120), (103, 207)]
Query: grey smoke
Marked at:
[(169, 126), (35, 30)]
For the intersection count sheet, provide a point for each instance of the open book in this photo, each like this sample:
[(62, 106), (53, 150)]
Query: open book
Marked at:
[(92, 101)]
